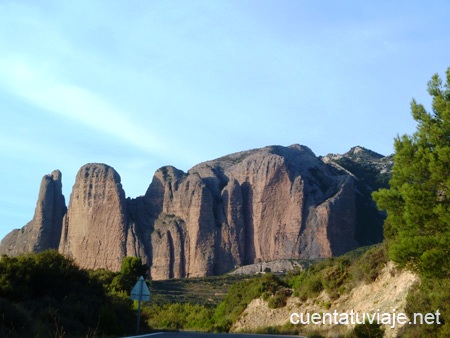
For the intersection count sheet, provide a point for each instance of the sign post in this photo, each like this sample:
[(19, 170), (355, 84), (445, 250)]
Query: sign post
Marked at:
[(140, 293)]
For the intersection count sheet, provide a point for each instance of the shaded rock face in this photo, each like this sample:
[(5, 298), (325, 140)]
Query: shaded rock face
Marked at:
[(259, 205), (372, 171), (44, 230)]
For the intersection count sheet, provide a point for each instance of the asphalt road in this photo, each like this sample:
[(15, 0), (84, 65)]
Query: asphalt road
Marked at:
[(208, 335)]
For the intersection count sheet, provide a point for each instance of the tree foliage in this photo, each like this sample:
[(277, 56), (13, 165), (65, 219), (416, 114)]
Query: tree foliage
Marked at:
[(130, 271), (418, 201), (47, 294)]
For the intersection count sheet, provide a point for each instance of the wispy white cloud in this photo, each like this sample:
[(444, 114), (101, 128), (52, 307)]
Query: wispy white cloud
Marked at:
[(76, 103)]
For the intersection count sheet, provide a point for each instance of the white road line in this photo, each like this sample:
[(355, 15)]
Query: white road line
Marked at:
[(146, 335)]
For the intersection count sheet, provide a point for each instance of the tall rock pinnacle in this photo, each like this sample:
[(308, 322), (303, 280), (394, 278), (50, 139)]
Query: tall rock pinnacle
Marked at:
[(44, 230), (94, 230)]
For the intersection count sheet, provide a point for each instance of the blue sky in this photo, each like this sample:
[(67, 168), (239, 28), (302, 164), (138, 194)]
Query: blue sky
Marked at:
[(142, 84)]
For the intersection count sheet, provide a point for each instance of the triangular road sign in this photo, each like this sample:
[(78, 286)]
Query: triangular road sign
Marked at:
[(140, 291)]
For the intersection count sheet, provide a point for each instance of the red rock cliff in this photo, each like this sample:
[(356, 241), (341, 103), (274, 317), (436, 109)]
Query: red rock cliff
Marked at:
[(258, 205)]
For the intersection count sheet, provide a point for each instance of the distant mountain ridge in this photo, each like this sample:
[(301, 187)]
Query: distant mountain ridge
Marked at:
[(365, 157), (258, 205)]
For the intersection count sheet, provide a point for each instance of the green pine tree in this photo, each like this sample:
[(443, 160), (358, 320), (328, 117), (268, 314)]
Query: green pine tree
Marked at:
[(417, 227)]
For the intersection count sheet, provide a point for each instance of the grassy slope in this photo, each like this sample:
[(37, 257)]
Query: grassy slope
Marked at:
[(208, 291)]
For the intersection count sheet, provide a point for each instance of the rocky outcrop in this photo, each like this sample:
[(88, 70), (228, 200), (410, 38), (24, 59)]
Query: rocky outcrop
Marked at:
[(387, 294), (371, 171), (259, 205), (96, 231), (44, 230), (366, 158)]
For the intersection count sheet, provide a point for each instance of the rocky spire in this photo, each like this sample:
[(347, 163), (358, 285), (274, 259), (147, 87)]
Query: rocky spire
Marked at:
[(95, 228), (44, 230)]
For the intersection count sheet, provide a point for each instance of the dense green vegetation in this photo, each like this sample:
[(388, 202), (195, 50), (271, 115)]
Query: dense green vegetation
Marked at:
[(212, 317), (179, 316), (339, 275), (417, 228), (47, 295), (418, 200)]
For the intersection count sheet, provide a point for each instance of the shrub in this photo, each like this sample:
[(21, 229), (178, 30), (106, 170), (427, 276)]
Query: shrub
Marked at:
[(13, 321), (373, 330), (371, 263), (242, 293), (307, 285), (61, 298), (339, 275), (279, 299), (178, 317), (432, 294)]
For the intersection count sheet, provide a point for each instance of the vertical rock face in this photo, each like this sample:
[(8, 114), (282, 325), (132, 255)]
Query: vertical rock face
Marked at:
[(287, 197), (95, 229), (186, 216), (44, 230), (260, 205)]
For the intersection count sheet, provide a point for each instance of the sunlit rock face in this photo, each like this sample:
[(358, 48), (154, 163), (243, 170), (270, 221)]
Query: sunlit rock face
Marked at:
[(258, 205), (97, 230)]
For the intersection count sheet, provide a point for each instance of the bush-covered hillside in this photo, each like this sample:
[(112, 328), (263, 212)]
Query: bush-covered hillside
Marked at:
[(47, 295)]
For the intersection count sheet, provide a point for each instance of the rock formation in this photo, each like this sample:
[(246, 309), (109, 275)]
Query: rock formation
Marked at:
[(95, 230), (44, 230), (372, 172), (258, 205)]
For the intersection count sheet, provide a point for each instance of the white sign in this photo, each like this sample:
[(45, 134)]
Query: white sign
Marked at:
[(140, 291)]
